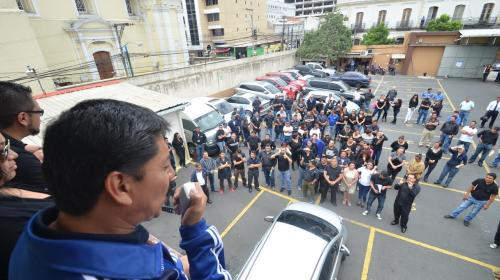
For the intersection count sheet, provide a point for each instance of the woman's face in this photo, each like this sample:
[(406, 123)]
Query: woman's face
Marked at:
[(7, 161), (436, 145)]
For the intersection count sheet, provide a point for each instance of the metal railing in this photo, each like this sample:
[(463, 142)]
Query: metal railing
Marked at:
[(404, 25), (358, 27), (470, 22)]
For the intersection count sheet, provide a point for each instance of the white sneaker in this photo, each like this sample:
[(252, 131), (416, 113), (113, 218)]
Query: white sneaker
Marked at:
[(379, 217), (365, 213), (493, 246)]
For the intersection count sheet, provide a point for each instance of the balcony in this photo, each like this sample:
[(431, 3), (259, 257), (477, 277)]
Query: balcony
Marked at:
[(358, 27), (404, 25), (479, 23)]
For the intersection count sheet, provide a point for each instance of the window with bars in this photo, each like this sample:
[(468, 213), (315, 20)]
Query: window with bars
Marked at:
[(381, 17), (192, 22), (213, 17), (25, 5), (212, 2), (486, 12), (218, 32), (83, 7)]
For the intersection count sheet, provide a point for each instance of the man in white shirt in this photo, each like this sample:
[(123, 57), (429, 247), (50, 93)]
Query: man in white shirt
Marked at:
[(491, 113), (357, 97), (465, 107), (467, 133)]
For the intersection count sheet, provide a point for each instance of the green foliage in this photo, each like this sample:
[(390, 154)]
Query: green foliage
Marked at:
[(331, 40), (444, 23), (377, 35)]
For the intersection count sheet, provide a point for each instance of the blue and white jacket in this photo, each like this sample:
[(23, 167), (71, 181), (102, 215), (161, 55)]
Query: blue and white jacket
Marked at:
[(38, 257)]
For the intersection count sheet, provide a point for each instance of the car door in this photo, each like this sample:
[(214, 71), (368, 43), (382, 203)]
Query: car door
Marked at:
[(188, 129)]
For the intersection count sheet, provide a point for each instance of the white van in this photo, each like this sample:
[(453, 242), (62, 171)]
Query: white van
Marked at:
[(199, 114)]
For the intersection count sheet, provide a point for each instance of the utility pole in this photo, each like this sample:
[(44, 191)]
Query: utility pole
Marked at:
[(31, 72), (283, 19), (119, 28)]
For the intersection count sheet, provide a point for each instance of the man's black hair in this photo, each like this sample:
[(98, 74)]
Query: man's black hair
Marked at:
[(492, 175), (14, 98), (90, 140)]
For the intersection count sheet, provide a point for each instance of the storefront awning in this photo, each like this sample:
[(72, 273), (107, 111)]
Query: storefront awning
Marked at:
[(398, 56)]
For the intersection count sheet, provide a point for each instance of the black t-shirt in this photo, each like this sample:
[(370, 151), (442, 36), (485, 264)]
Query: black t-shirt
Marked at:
[(239, 157), (333, 172), (482, 191), (14, 214), (29, 169), (232, 145), (387, 181), (283, 163)]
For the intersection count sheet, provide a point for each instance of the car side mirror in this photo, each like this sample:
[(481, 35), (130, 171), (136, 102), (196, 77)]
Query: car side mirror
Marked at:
[(269, 219), (345, 251)]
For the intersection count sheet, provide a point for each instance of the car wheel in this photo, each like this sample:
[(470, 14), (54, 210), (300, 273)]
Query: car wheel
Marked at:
[(191, 150)]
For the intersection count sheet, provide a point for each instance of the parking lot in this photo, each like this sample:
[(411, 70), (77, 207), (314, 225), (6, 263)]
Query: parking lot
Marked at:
[(432, 248)]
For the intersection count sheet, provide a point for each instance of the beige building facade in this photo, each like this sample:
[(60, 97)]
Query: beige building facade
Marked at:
[(227, 24), (77, 41)]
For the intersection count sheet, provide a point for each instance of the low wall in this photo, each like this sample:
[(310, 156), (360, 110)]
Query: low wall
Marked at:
[(213, 78)]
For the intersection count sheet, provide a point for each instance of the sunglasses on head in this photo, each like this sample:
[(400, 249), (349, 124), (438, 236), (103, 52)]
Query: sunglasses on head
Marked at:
[(4, 153)]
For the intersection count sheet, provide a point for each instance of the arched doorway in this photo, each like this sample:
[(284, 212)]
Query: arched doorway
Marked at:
[(104, 65)]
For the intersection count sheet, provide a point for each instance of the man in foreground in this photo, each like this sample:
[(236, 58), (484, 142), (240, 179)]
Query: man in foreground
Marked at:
[(108, 170)]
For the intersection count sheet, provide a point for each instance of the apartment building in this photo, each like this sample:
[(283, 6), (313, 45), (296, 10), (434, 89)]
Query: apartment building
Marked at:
[(276, 10), (226, 25), (312, 7), (411, 15), (74, 41)]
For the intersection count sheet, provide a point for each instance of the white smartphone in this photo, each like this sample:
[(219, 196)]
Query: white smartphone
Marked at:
[(185, 196)]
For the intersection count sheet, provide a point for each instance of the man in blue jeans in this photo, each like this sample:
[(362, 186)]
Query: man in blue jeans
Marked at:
[(423, 111), (268, 164), (448, 130), (379, 184), (458, 160), (284, 163), (199, 140), (488, 139), (480, 195)]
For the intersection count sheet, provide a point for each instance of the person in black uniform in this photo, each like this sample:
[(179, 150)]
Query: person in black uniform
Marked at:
[(253, 171), (407, 191), (332, 176)]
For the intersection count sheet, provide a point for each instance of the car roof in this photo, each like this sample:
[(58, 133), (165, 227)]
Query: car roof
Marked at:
[(260, 83), (316, 210), (325, 93), (249, 96), (197, 109), (283, 257), (320, 79)]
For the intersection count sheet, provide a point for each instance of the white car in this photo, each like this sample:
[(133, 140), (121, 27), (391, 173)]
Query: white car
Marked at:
[(297, 74), (245, 101), (326, 95), (262, 89), (219, 104), (318, 66), (305, 241)]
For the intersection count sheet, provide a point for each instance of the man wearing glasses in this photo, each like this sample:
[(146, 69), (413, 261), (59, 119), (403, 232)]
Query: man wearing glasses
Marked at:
[(20, 117)]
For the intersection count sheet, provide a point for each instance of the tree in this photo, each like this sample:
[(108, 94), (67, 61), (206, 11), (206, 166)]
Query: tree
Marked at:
[(330, 41), (377, 35), (444, 23)]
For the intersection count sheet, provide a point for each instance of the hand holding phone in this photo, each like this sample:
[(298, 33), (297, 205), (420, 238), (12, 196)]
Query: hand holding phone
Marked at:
[(190, 202)]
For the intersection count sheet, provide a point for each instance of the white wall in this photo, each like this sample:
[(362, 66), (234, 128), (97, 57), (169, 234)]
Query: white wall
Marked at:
[(276, 10)]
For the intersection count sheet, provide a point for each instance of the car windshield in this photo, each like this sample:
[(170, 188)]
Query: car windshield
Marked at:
[(310, 223), (224, 107), (294, 75), (209, 120), (272, 89), (281, 82)]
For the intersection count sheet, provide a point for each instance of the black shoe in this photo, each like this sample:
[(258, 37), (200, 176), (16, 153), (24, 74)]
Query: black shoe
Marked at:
[(466, 223), (249, 190), (289, 192), (449, 217), (394, 222), (480, 164), (437, 183), (209, 201), (403, 229), (257, 189), (425, 179), (445, 186), (470, 161), (282, 189), (334, 203)]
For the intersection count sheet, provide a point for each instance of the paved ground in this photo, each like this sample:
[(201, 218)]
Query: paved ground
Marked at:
[(432, 248)]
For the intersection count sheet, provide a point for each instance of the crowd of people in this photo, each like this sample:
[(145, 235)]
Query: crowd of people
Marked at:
[(91, 186), (333, 150)]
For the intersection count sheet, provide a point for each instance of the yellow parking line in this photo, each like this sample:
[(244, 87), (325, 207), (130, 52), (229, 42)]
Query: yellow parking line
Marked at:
[(318, 199), (279, 194), (378, 86), (439, 250), (368, 254), (240, 215), (406, 239)]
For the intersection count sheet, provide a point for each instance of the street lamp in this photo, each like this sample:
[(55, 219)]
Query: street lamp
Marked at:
[(31, 72)]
